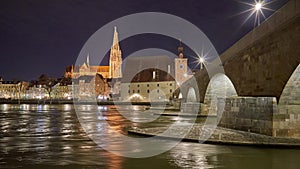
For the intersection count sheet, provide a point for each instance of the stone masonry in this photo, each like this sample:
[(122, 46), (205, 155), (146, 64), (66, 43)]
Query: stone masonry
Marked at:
[(261, 63), (253, 114), (287, 118)]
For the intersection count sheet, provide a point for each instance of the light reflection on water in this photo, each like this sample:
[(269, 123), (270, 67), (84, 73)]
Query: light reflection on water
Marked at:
[(188, 155), (43, 136)]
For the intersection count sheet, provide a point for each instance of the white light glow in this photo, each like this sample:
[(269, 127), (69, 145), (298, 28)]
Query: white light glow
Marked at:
[(201, 60), (256, 9), (258, 6)]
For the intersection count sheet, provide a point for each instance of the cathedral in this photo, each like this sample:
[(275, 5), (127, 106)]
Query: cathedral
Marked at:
[(154, 82), (113, 71)]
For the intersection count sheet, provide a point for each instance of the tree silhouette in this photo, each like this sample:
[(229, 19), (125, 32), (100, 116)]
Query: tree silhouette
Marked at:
[(47, 83)]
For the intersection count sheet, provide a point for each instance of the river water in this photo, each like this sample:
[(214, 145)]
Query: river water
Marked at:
[(50, 136)]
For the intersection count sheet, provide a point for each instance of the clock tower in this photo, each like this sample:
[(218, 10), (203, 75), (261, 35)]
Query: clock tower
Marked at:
[(180, 66)]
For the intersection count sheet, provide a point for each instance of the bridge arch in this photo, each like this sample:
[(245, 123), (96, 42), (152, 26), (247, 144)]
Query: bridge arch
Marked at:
[(220, 86), (289, 102), (287, 118), (191, 95), (291, 92)]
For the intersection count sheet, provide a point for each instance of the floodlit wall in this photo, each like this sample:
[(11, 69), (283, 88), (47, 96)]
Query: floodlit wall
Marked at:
[(219, 86), (287, 118)]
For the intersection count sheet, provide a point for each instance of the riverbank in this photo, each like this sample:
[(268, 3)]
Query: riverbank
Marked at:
[(47, 101), (168, 112), (167, 108), (219, 136)]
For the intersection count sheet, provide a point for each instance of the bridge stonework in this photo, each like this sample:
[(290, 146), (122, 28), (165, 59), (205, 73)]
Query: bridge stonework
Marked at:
[(260, 65)]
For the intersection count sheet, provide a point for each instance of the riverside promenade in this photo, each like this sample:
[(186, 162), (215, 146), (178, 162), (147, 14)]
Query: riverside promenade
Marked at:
[(71, 101), (218, 135)]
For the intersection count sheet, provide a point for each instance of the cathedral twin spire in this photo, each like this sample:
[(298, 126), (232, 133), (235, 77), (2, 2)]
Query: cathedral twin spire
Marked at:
[(115, 60), (116, 39)]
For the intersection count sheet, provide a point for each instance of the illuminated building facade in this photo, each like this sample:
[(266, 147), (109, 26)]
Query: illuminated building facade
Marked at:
[(90, 87), (62, 89), (162, 76), (12, 89), (36, 91), (113, 71), (149, 85)]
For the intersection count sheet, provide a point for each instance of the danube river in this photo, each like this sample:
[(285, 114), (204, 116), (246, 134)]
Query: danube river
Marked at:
[(48, 136)]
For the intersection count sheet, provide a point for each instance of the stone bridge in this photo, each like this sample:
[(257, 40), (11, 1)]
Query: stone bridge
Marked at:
[(259, 89)]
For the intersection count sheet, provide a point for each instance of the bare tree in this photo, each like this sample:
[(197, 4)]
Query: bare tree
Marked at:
[(47, 83)]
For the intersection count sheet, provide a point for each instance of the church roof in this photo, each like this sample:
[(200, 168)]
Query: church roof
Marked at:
[(92, 69), (99, 68)]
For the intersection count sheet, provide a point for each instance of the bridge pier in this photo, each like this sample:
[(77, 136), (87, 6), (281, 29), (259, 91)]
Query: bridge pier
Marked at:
[(287, 118), (253, 114)]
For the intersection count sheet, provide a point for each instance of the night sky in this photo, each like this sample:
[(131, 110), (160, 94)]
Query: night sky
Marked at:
[(44, 36)]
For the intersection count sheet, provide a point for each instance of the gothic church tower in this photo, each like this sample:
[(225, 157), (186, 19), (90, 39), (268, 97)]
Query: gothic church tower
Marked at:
[(115, 61)]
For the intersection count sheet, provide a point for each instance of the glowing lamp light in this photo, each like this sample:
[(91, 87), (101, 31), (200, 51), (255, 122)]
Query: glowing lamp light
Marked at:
[(201, 60), (258, 6), (257, 9)]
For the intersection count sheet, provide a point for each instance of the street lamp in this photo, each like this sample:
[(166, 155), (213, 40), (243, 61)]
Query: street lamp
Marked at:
[(201, 62)]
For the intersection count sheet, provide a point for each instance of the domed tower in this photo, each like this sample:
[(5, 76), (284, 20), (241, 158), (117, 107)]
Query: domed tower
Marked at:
[(180, 66)]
